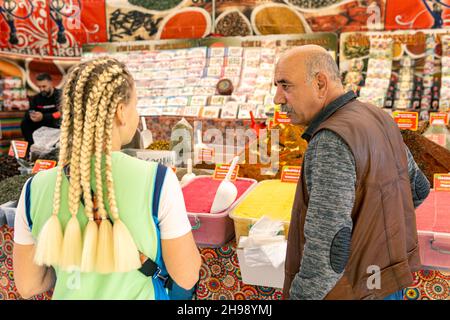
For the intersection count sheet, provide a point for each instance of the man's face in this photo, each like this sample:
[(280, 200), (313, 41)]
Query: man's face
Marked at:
[(293, 91), (45, 87)]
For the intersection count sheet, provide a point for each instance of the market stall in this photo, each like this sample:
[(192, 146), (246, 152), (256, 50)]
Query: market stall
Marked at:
[(204, 79)]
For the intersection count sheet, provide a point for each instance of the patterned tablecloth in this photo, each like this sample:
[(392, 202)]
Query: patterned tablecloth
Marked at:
[(220, 277)]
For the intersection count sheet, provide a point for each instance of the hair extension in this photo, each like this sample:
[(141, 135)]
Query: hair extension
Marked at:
[(92, 93), (72, 241), (90, 241), (50, 238), (126, 254)]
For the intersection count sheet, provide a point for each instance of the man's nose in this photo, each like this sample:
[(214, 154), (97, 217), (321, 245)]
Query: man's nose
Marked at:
[(279, 97)]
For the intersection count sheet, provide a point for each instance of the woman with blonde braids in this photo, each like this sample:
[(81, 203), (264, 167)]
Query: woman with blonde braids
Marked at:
[(86, 226)]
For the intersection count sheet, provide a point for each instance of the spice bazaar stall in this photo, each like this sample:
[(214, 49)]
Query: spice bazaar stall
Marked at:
[(204, 77)]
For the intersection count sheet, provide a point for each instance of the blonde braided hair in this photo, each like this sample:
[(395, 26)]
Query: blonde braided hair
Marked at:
[(91, 95), (99, 83), (49, 242)]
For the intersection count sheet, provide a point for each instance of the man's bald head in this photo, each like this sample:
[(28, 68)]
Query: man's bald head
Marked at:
[(307, 79), (312, 59)]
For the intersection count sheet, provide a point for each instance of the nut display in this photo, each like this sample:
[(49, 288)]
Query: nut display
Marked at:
[(160, 145)]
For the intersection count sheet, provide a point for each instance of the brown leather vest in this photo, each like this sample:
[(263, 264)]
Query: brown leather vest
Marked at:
[(384, 224)]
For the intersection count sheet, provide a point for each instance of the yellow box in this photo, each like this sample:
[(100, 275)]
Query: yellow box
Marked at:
[(271, 198)]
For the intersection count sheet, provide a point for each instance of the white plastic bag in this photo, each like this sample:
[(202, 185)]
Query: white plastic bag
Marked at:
[(263, 246)]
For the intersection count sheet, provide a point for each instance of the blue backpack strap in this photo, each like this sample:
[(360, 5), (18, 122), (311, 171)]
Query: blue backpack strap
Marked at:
[(28, 202), (160, 273), (159, 181)]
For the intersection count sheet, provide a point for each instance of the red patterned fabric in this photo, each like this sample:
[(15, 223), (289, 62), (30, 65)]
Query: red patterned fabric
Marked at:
[(220, 277)]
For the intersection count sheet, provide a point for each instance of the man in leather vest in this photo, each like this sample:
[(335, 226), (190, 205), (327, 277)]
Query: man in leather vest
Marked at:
[(353, 231)]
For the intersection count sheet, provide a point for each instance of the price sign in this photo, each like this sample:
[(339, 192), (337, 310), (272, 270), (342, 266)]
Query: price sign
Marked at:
[(41, 165), (406, 120), (442, 182), (221, 171), (21, 147), (291, 174)]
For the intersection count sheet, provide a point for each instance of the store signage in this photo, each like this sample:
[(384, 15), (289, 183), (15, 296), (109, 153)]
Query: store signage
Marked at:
[(207, 155), (438, 116), (221, 171), (281, 118), (438, 138), (406, 120), (291, 174), (42, 165), (21, 147), (442, 182)]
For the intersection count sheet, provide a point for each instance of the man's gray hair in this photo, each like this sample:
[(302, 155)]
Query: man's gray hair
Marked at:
[(322, 62)]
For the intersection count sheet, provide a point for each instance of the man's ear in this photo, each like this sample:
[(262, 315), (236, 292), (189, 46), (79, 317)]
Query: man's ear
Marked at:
[(322, 84), (120, 115)]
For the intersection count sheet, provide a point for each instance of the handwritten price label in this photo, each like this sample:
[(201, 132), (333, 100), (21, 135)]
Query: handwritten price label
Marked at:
[(406, 120)]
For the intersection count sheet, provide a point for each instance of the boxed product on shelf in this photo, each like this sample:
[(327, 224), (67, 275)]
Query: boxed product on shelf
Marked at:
[(151, 111), (271, 198), (199, 101), (211, 229), (216, 62), (195, 72), (218, 100), (214, 71), (230, 110), (244, 110), (235, 51), (178, 101), (233, 61), (204, 91), (193, 111), (211, 112), (217, 52), (199, 52), (172, 111)]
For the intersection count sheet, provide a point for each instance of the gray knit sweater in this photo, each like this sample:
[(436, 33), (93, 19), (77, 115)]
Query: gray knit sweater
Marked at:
[(330, 174)]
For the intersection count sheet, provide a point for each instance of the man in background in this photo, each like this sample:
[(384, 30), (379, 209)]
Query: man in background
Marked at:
[(44, 108)]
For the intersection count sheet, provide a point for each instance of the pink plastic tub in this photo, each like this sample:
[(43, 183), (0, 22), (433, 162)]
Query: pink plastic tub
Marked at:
[(211, 229), (433, 226)]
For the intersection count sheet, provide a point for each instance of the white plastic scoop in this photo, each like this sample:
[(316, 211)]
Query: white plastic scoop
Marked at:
[(189, 175), (227, 192), (146, 135)]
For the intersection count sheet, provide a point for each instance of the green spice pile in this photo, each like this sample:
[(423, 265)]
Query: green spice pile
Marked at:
[(11, 188)]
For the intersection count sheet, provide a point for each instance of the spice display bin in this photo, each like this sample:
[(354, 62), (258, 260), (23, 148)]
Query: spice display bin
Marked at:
[(271, 198), (213, 229), (433, 225)]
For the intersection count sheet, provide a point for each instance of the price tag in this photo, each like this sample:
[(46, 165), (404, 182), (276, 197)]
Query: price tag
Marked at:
[(406, 120), (291, 174), (281, 117), (41, 165), (221, 171), (436, 116), (438, 138), (21, 148), (207, 155), (442, 182)]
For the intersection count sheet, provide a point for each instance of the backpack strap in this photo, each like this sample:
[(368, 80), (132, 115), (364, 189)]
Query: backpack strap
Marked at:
[(150, 268), (28, 202)]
